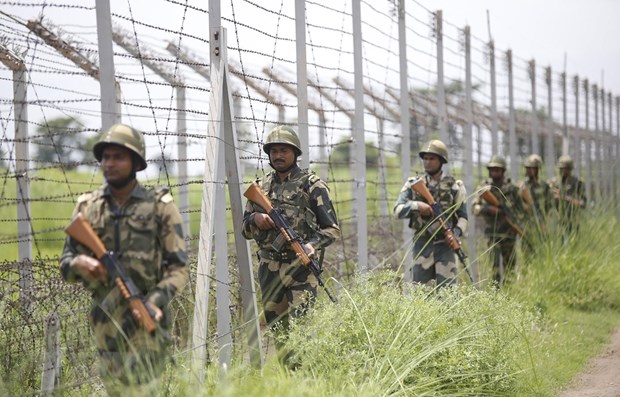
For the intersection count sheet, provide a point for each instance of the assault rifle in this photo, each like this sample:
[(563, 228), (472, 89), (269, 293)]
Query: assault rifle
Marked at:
[(420, 187), (257, 196), (83, 232), (506, 215), (526, 195)]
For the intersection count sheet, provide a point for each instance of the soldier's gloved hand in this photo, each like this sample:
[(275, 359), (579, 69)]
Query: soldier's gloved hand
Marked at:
[(424, 209), (90, 270), (309, 250), (492, 210), (263, 221), (158, 314), (457, 232)]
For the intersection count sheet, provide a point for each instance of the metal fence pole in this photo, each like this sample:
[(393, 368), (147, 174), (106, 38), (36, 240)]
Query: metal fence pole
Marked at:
[(109, 89), (405, 121), (578, 134), (597, 144), (588, 139), (302, 81), (442, 115), (565, 139), (550, 147), (359, 142), (494, 128), (535, 148), (512, 134), (22, 165), (468, 166)]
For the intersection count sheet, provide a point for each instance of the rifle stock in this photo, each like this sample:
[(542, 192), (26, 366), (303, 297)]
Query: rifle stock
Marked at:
[(420, 187), (492, 200), (255, 194), (80, 230)]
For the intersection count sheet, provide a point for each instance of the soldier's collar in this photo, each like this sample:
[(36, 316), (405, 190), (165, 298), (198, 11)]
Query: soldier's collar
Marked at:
[(138, 191), (293, 173)]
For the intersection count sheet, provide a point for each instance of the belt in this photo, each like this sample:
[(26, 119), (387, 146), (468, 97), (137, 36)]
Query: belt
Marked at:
[(284, 256)]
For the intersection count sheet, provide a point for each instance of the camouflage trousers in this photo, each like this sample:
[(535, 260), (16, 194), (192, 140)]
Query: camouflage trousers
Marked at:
[(433, 263), (127, 353), (504, 257), (287, 288)]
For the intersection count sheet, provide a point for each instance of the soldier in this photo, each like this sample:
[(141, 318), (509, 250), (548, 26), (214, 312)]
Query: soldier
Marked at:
[(286, 285), (143, 227), (569, 194), (434, 261), (537, 199), (500, 225)]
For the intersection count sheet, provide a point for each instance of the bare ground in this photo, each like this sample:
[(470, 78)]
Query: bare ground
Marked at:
[(601, 377)]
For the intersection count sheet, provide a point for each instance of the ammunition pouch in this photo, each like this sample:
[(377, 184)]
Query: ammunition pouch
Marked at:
[(284, 256)]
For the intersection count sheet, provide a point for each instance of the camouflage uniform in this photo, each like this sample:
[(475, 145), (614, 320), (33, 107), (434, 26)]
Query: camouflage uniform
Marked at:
[(286, 285), (146, 234), (535, 218), (569, 187), (434, 260), (498, 231)]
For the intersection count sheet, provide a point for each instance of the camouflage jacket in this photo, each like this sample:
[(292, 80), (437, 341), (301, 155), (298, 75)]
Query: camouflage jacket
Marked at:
[(508, 195), (150, 245), (541, 197), (305, 202), (448, 192), (567, 189)]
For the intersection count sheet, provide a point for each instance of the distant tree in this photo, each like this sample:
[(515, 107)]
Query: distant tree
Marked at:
[(56, 142), (342, 152)]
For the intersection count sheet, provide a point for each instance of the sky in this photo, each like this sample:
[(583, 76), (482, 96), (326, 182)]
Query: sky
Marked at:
[(585, 32)]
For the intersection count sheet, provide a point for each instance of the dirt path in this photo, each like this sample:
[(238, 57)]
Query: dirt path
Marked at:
[(602, 375)]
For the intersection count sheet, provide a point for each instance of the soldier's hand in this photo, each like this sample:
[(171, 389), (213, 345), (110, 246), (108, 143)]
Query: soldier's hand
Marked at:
[(90, 269), (452, 241), (310, 250), (425, 209), (263, 221), (158, 314), (493, 210)]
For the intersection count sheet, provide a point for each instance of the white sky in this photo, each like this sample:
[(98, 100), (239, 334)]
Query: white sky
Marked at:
[(587, 31)]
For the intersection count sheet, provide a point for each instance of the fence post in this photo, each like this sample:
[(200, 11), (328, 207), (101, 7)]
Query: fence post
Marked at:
[(512, 134), (442, 115), (535, 134), (405, 121), (550, 148), (302, 81), (468, 166), (22, 164), (359, 142), (565, 141), (577, 144), (494, 128), (597, 144), (50, 377), (110, 113), (588, 139)]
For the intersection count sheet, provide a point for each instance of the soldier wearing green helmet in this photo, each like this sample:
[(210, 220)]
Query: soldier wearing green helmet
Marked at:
[(537, 202), (142, 227), (502, 238), (434, 260), (288, 288), (569, 194)]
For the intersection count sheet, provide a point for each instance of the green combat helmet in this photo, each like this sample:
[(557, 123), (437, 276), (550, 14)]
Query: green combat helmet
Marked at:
[(497, 162), (533, 161), (125, 136), (283, 134), (436, 147), (565, 162)]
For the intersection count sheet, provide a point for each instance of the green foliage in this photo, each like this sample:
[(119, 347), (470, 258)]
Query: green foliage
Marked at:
[(451, 342), (342, 152), (56, 142)]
